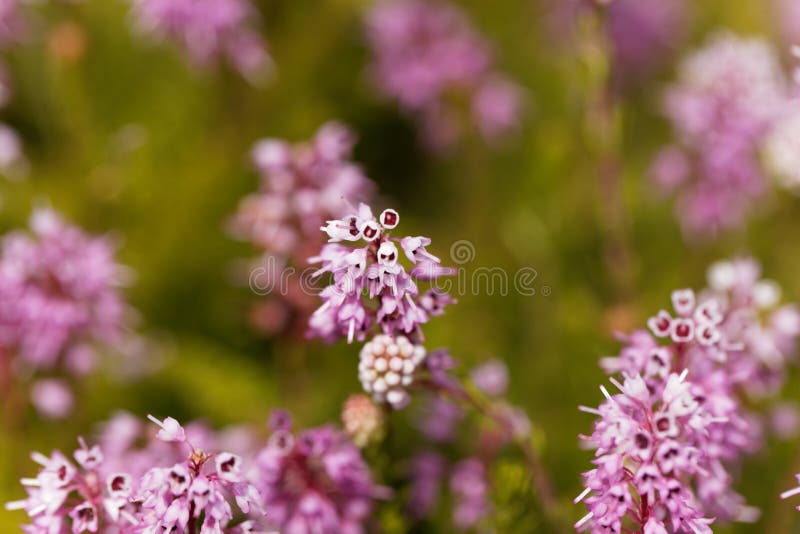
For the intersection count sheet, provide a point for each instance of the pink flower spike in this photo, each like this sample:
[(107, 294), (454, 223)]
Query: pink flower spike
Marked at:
[(171, 429)]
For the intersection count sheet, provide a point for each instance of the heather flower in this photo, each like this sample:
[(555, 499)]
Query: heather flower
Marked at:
[(648, 444), (722, 107), (429, 58), (754, 318), (196, 491), (59, 297), (207, 31), (730, 339), (373, 272), (470, 489), (92, 495), (363, 420), (302, 186), (76, 496), (386, 368), (643, 34), (314, 481)]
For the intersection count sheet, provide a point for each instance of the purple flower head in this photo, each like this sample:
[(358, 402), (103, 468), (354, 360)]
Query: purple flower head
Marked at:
[(207, 31), (59, 300), (648, 444), (59, 291), (705, 353), (470, 488), (77, 497), (111, 490), (643, 33), (314, 481), (302, 186), (370, 285), (755, 320), (428, 57), (194, 492), (725, 101)]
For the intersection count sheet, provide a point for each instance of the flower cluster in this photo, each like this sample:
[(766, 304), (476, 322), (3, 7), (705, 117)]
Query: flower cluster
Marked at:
[(207, 31), (189, 495), (724, 104), (647, 444), (386, 368), (314, 481), (766, 330), (59, 299), (302, 186), (666, 444), (428, 57), (374, 271), (643, 33)]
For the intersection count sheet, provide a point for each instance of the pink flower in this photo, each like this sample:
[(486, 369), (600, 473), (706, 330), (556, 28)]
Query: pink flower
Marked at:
[(724, 342), (314, 481), (723, 105), (302, 186), (374, 270), (648, 444), (470, 488), (427, 56), (94, 496), (207, 31), (59, 298)]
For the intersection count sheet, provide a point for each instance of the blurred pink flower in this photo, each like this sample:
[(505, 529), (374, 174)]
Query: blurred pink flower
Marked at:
[(52, 398), (302, 185), (643, 34), (101, 494), (208, 31), (428, 57), (682, 412), (722, 107), (59, 298), (470, 487), (315, 481)]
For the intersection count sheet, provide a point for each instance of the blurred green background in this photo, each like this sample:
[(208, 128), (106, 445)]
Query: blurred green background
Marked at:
[(125, 138)]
